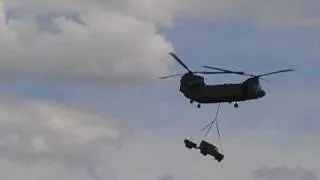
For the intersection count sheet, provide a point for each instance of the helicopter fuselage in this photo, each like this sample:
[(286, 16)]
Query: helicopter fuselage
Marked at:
[(220, 93)]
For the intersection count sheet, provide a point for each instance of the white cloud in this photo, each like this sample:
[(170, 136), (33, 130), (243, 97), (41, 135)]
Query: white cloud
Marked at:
[(111, 44)]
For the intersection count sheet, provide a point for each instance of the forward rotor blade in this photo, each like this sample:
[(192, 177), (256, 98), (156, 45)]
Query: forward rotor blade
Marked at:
[(275, 72), (179, 61), (171, 76), (225, 70)]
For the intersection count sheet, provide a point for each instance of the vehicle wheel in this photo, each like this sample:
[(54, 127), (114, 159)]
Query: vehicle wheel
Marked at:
[(203, 153)]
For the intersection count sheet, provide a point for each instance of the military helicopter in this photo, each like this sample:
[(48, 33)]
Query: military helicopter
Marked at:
[(194, 88)]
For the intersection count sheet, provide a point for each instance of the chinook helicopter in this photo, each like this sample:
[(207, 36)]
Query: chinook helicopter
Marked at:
[(194, 88)]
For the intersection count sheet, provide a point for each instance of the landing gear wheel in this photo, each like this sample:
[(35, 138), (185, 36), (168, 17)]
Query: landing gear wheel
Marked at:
[(191, 101), (199, 105), (236, 105)]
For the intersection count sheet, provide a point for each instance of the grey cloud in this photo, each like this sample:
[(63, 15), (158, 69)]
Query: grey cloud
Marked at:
[(37, 131), (66, 143), (285, 173), (283, 13), (166, 177), (161, 12)]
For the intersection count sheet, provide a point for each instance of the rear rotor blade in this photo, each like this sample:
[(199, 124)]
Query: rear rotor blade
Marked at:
[(179, 61), (275, 72)]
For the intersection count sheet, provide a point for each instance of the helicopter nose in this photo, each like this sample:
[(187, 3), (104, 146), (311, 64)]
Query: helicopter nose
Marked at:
[(262, 93)]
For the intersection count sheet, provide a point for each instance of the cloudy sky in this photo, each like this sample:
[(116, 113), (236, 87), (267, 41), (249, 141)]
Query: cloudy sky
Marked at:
[(81, 99)]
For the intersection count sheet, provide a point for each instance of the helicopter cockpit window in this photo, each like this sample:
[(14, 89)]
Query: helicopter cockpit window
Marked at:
[(259, 88), (256, 87)]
